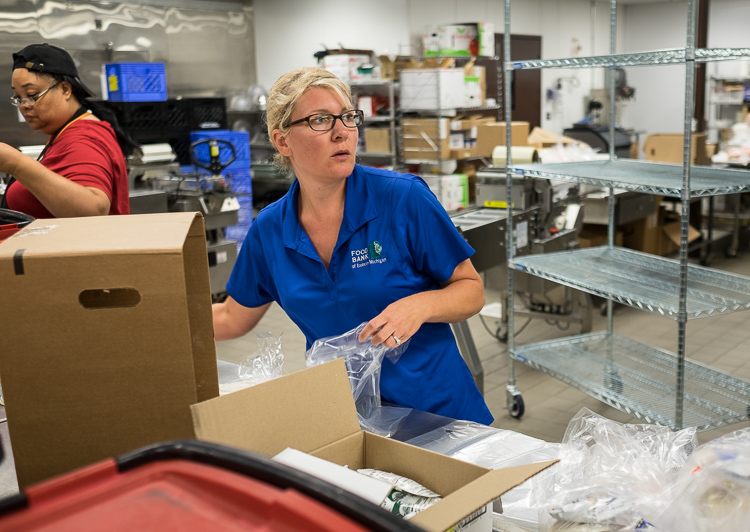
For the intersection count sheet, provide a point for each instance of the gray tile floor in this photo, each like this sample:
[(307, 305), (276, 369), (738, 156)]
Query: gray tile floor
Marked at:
[(722, 342)]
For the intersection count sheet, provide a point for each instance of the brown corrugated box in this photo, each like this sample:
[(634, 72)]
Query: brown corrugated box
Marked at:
[(669, 148), (313, 411), (107, 337)]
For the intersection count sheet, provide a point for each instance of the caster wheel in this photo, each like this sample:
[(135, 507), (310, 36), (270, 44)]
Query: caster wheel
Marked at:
[(614, 383), (517, 408), (730, 252)]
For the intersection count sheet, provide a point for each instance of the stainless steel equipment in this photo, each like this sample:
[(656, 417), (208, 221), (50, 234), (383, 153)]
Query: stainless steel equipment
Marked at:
[(546, 218)]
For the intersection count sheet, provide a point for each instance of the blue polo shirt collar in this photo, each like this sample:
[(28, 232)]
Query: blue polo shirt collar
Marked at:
[(358, 210)]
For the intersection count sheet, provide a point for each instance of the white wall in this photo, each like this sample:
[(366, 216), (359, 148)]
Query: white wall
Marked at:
[(288, 32)]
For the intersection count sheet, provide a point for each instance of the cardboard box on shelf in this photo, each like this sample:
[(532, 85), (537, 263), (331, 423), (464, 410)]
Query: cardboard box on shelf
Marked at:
[(107, 337), (345, 63), (485, 133), (377, 140), (468, 38), (313, 411), (451, 190), (475, 84), (668, 148), (426, 139), (431, 88)]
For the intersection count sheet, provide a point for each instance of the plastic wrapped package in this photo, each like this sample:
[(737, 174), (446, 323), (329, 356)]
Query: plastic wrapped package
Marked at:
[(363, 363), (263, 365), (713, 489), (612, 475), (407, 498)]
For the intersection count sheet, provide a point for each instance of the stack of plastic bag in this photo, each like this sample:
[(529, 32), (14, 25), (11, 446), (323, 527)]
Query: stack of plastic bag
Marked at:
[(263, 365), (613, 476), (363, 363), (713, 490)]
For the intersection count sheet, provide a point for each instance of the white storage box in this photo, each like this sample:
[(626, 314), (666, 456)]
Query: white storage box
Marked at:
[(432, 88)]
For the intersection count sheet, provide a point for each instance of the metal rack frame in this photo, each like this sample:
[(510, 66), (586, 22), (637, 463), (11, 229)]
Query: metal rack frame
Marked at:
[(648, 383)]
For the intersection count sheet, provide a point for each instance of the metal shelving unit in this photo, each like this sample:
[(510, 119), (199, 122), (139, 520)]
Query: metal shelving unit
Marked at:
[(649, 383), (391, 119)]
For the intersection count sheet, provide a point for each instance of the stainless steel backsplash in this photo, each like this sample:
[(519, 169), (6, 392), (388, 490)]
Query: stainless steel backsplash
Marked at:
[(206, 45)]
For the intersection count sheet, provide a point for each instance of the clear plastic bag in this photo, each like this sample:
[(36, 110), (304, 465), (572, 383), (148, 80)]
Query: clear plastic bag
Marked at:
[(713, 489), (613, 475), (266, 363), (363, 363)]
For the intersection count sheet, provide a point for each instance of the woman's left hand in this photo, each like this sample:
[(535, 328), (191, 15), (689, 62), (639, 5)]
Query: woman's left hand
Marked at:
[(460, 297), (396, 324)]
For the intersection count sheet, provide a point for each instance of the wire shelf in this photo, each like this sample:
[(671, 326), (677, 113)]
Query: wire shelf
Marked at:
[(641, 380), (640, 280), (640, 176), (658, 57)]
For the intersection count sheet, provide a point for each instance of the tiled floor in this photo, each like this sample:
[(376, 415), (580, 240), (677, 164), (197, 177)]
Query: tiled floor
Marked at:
[(722, 342)]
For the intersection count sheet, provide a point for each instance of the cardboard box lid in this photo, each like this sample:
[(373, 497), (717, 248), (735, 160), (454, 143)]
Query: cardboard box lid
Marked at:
[(304, 410), (133, 234), (541, 136)]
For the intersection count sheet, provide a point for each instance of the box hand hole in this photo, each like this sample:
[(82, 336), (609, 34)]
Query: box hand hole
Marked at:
[(109, 298)]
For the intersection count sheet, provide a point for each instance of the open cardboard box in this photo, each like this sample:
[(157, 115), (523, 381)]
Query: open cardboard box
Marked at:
[(313, 411)]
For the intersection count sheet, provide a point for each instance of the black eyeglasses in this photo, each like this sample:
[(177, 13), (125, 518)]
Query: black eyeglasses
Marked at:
[(325, 122), (31, 100)]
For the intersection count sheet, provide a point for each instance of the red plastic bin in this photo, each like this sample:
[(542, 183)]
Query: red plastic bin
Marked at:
[(11, 222), (187, 486)]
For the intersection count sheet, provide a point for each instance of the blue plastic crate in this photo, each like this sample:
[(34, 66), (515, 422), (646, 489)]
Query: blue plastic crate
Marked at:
[(239, 139), (136, 82)]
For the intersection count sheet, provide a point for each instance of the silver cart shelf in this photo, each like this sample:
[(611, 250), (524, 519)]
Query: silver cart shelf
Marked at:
[(646, 382), (640, 380)]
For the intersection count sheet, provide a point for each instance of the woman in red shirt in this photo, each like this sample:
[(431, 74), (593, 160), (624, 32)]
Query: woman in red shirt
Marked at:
[(81, 171)]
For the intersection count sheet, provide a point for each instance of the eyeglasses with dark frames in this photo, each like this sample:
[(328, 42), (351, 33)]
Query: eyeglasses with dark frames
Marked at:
[(31, 100), (325, 122)]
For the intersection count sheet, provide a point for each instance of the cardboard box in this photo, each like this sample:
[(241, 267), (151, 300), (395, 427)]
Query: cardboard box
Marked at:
[(594, 235), (488, 134), (671, 234), (377, 140), (107, 337), (451, 190), (313, 411), (468, 38), (431, 88), (426, 139), (475, 85), (345, 63), (540, 138), (668, 148)]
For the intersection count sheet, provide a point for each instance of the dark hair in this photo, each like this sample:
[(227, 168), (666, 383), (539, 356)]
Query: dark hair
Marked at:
[(126, 142)]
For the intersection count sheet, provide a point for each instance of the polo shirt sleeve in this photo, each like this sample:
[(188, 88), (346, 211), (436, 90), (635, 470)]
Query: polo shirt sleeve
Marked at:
[(435, 245), (250, 283)]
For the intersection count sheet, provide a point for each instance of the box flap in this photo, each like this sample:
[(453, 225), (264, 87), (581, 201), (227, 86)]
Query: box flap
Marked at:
[(460, 503), (305, 410), (136, 233)]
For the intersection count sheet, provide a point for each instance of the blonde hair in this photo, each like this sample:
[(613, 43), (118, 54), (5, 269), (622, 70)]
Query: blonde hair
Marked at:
[(286, 92)]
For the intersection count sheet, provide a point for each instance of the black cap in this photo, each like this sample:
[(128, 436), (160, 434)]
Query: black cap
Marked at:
[(49, 59)]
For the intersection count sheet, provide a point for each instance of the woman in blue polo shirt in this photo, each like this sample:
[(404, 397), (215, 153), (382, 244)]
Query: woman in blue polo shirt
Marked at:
[(350, 244)]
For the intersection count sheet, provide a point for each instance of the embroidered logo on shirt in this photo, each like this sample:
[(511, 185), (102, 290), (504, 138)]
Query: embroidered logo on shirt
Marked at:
[(375, 249), (372, 254)]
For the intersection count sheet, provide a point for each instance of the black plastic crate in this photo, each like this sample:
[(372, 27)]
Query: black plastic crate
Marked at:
[(207, 113)]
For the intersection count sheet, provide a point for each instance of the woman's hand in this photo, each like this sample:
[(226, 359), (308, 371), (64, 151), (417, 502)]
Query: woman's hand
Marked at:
[(397, 323), (461, 297)]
